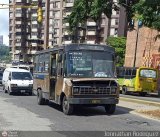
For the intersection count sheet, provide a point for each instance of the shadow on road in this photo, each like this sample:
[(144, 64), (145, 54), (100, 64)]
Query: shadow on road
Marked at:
[(92, 111)]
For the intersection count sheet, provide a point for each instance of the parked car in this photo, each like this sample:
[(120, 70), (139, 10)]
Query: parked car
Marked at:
[(17, 80)]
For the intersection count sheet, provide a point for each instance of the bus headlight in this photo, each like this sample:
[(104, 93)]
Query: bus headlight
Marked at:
[(113, 90), (75, 90)]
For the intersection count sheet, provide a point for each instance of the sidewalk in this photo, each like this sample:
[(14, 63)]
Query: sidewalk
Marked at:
[(144, 110)]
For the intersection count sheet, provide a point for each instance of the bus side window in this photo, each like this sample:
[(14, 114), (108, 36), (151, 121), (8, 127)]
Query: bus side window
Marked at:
[(60, 66), (53, 65)]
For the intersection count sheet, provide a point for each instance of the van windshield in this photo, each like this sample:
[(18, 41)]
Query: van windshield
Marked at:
[(21, 76)]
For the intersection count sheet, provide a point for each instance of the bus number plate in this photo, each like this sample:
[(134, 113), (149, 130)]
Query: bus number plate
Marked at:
[(95, 101)]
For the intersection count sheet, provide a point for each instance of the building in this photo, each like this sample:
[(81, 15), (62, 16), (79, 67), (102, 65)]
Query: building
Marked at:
[(58, 33), (148, 48), (1, 39), (28, 36), (23, 30)]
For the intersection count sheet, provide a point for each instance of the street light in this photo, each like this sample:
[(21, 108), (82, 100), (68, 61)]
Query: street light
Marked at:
[(139, 25)]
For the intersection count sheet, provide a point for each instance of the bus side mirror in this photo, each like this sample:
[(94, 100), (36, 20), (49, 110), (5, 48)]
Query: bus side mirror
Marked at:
[(60, 58)]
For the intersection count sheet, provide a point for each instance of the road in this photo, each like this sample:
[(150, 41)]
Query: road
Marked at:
[(153, 98), (22, 113)]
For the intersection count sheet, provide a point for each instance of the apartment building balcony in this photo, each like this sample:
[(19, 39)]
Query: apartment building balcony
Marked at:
[(34, 22), (34, 30), (32, 52), (18, 15), (17, 51), (34, 37), (68, 5), (34, 15), (18, 1), (18, 30), (18, 22), (92, 33), (90, 42), (34, 44), (66, 33), (66, 25), (67, 42), (91, 23), (18, 44)]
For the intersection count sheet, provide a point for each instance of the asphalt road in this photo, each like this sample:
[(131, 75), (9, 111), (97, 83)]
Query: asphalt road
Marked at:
[(22, 113), (153, 98)]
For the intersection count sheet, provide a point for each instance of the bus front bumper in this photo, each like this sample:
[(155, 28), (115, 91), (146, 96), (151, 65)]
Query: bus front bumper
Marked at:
[(93, 101)]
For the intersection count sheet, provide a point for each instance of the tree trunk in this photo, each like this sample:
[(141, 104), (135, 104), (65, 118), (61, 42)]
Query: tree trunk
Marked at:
[(98, 27)]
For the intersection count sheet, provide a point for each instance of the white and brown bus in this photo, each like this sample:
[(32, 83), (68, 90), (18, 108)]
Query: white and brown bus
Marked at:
[(77, 74)]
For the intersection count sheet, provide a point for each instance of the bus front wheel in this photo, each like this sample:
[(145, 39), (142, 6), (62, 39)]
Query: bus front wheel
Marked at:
[(67, 108), (124, 90), (110, 108)]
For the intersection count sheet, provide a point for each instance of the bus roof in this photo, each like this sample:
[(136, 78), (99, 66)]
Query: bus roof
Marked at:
[(73, 46)]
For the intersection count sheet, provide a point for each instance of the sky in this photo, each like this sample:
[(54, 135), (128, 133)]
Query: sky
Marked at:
[(4, 23)]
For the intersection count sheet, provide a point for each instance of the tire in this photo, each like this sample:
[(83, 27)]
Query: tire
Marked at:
[(40, 99), (66, 107), (124, 90), (143, 94), (159, 93), (9, 92), (5, 91), (110, 108), (30, 93)]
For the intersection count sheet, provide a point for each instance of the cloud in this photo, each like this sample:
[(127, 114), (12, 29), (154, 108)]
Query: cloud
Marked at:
[(4, 22)]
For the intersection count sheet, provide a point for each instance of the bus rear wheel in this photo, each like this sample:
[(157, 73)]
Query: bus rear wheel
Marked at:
[(67, 108), (143, 94), (110, 108), (159, 93), (40, 99)]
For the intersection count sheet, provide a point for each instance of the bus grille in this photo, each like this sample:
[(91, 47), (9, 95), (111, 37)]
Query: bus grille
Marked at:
[(94, 90)]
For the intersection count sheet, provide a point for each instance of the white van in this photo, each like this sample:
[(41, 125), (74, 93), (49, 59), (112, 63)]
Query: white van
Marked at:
[(17, 80)]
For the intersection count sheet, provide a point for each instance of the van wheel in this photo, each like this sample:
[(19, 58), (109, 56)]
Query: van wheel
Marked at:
[(124, 90), (110, 108), (5, 91), (9, 92), (67, 108), (40, 99), (30, 93)]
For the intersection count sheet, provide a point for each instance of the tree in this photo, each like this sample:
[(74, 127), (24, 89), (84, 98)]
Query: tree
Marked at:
[(119, 43), (4, 53), (148, 11), (88, 9)]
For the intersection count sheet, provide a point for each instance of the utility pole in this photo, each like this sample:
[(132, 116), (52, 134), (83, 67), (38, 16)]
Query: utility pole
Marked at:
[(46, 29)]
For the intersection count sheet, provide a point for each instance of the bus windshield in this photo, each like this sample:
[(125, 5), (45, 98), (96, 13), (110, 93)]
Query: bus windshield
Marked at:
[(148, 73), (90, 64)]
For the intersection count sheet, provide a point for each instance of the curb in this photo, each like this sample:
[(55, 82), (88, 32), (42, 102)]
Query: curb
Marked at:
[(152, 103)]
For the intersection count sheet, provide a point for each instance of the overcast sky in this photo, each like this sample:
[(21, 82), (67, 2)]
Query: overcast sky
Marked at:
[(4, 22)]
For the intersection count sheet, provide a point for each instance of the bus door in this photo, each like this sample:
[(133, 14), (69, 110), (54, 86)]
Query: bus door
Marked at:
[(53, 75)]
